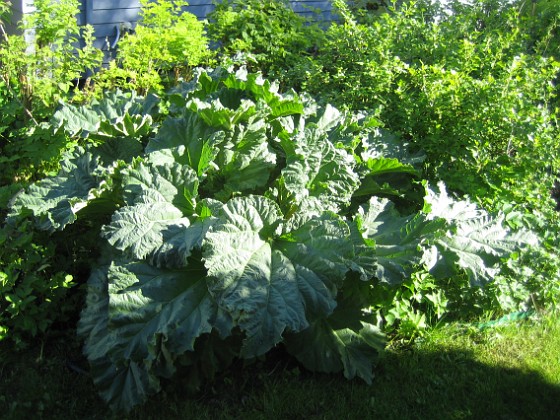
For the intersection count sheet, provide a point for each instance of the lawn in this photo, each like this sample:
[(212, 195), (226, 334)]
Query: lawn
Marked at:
[(452, 372)]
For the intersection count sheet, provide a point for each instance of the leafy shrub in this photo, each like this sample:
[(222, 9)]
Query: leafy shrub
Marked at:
[(355, 67), (542, 19), (269, 36), (462, 88), (251, 219), (39, 68), (32, 286), (165, 45)]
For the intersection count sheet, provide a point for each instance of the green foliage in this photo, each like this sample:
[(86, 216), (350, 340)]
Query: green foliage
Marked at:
[(234, 218), (468, 87), (166, 44), (34, 289), (39, 68), (464, 88), (355, 65), (241, 225), (545, 26), (267, 36)]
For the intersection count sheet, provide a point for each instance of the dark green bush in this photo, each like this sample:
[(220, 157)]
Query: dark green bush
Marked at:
[(34, 289)]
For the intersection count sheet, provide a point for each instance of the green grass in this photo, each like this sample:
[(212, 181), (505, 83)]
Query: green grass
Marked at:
[(453, 372)]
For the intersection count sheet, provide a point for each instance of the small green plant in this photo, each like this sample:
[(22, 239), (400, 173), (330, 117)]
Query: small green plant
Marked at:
[(417, 304), (166, 44)]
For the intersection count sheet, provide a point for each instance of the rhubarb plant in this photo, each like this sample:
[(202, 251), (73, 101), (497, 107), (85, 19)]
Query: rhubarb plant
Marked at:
[(249, 219)]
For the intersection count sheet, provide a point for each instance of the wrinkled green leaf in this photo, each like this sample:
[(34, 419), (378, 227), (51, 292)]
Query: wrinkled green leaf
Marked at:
[(125, 127), (382, 166), (262, 89), (381, 144), (188, 141), (473, 241), (244, 163), (114, 149), (270, 281), (138, 321), (315, 168), (156, 181), (142, 228), (324, 348), (476, 246), (57, 200), (217, 115), (178, 244), (437, 203), (115, 107), (396, 239)]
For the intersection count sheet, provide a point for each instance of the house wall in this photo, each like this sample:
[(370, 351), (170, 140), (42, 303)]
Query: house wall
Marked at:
[(19, 8)]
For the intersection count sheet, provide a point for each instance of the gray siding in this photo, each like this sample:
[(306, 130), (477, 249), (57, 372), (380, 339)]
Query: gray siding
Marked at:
[(311, 7)]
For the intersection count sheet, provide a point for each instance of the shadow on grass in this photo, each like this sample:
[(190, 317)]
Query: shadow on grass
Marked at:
[(409, 385)]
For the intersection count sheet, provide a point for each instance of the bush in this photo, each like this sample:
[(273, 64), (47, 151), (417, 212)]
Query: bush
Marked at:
[(268, 36), (36, 72), (33, 288), (166, 44), (463, 88), (41, 66)]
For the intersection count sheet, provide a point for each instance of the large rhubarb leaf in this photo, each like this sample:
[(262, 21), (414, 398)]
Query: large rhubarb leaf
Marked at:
[(262, 89), (142, 228), (187, 140), (118, 114), (138, 321), (380, 144), (244, 163), (114, 149), (57, 200), (471, 241), (439, 204), (315, 168), (161, 182), (325, 347), (273, 277), (215, 114), (319, 249), (395, 239), (178, 244), (158, 196), (476, 246)]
